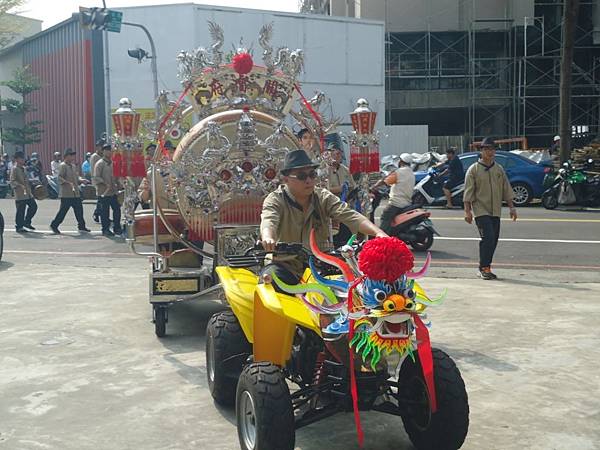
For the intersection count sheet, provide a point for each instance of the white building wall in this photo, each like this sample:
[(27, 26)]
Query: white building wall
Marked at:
[(344, 57)]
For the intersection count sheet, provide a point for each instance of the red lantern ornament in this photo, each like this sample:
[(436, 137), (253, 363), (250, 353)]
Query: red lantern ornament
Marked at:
[(138, 168), (270, 173), (117, 164), (247, 166), (225, 175), (242, 63)]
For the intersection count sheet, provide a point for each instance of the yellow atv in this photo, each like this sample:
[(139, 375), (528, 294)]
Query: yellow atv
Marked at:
[(290, 355)]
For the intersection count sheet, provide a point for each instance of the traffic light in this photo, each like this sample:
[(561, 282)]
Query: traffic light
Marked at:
[(100, 19)]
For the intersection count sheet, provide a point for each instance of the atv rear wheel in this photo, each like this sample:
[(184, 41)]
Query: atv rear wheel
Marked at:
[(226, 352), (263, 409), (445, 429)]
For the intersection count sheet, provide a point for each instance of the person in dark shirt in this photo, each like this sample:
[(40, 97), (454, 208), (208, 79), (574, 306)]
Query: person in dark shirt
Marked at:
[(456, 175)]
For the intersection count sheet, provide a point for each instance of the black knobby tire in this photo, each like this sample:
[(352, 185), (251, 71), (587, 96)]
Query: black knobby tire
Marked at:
[(424, 242), (264, 412), (160, 320), (227, 349), (522, 194), (447, 428), (550, 199), (419, 199)]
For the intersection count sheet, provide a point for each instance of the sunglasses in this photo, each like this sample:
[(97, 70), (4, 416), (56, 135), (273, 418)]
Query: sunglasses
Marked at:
[(302, 176)]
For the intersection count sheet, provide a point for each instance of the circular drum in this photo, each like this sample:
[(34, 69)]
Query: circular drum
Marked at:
[(40, 192), (225, 166)]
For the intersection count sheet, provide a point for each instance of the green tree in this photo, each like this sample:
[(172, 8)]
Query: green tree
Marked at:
[(23, 83), (10, 24)]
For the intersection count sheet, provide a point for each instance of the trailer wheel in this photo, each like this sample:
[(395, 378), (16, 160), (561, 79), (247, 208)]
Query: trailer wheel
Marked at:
[(227, 349), (446, 429), (264, 411), (160, 319)]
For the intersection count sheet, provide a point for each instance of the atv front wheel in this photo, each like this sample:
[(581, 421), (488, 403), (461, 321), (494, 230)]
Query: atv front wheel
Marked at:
[(445, 429), (263, 409), (227, 349)]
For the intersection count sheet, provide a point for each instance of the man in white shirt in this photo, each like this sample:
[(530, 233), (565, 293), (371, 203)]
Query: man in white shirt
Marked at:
[(402, 183), (55, 163)]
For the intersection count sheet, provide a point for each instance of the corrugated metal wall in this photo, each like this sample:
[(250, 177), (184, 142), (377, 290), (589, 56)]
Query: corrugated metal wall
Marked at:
[(62, 58)]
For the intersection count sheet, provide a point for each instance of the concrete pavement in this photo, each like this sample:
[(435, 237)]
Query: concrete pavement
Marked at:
[(82, 369)]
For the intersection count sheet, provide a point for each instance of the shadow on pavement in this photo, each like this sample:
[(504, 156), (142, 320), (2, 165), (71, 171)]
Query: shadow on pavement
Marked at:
[(479, 359), (5, 265), (571, 286)]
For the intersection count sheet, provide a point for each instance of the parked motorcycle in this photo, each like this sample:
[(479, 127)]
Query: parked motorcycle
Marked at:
[(52, 186), (414, 227), (429, 190), (572, 187)]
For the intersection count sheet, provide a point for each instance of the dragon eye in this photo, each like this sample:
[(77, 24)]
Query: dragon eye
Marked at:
[(389, 305), (409, 305), (380, 295), (410, 294)]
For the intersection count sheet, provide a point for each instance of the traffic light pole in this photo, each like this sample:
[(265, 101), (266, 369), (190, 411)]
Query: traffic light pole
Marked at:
[(153, 68)]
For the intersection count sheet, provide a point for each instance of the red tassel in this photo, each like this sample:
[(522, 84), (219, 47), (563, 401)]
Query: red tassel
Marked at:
[(353, 389), (426, 359), (137, 165), (117, 163)]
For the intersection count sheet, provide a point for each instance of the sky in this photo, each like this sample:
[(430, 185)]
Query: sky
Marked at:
[(55, 11)]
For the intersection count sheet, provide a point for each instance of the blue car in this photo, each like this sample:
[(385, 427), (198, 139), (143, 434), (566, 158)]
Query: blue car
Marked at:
[(526, 177)]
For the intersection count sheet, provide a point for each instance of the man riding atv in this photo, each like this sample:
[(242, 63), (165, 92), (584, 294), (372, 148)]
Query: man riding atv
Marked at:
[(296, 207)]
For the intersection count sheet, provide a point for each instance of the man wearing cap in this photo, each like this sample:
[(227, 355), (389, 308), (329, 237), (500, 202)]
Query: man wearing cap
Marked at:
[(24, 201), (555, 147), (339, 180), (106, 190), (296, 207), (486, 185), (68, 191), (97, 156), (402, 182)]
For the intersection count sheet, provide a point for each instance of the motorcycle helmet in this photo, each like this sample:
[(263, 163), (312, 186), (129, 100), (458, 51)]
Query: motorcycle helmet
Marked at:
[(406, 158), (57, 154), (556, 138)]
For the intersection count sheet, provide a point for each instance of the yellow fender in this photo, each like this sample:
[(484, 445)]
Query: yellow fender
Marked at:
[(239, 286)]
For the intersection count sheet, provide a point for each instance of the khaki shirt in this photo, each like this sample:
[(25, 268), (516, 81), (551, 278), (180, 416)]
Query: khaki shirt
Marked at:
[(162, 199), (103, 178), (19, 183), (283, 214), (339, 176), (67, 174), (486, 189), (93, 161)]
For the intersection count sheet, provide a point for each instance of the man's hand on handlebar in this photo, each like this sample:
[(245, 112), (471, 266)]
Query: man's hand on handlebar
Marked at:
[(268, 244)]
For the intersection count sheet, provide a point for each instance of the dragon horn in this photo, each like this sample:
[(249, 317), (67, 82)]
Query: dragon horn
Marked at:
[(304, 288), (335, 284), (421, 273), (342, 265)]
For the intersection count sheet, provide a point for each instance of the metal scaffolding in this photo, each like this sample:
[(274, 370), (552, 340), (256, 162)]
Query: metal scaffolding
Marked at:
[(501, 75)]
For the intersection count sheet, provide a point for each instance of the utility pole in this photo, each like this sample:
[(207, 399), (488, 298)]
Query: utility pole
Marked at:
[(571, 8)]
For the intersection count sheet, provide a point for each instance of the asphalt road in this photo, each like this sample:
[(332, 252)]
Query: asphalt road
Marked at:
[(81, 368), (540, 239)]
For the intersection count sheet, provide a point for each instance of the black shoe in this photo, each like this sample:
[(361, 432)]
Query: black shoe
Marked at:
[(96, 218), (485, 274), (30, 227), (21, 230), (108, 233), (54, 229), (118, 231), (84, 229)]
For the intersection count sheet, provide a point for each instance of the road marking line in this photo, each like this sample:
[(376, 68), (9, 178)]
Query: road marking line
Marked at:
[(551, 241), (59, 253), (68, 232), (526, 220), (440, 262)]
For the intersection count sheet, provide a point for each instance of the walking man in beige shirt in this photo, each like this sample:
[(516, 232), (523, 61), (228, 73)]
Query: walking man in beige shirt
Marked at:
[(24, 201), (68, 191), (486, 185), (106, 190)]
